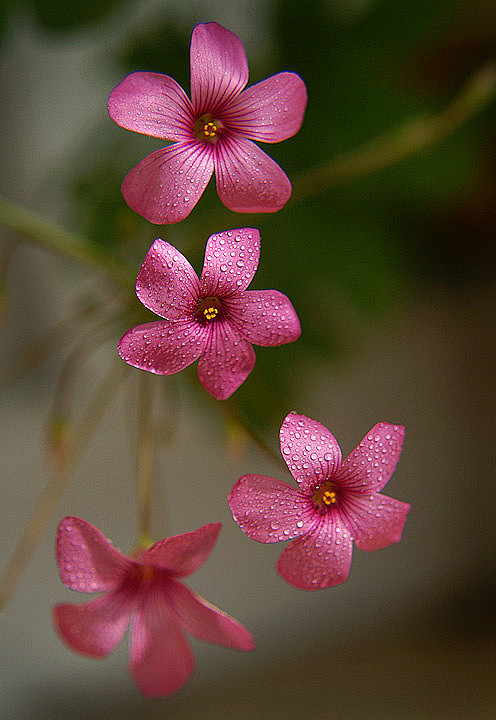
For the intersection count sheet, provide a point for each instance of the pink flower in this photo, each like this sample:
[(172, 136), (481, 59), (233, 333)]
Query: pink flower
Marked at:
[(212, 131), (337, 502), (213, 318), (146, 591)]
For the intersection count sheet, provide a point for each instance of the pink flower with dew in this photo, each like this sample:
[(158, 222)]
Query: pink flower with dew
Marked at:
[(213, 318), (212, 131), (146, 591), (337, 501)]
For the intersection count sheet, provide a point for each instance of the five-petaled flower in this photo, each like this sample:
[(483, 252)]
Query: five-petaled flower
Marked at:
[(213, 318), (212, 131), (146, 591), (337, 501)]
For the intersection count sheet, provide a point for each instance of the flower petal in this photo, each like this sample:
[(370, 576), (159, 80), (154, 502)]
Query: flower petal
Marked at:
[(161, 659), (371, 464), (376, 520), (166, 185), (152, 104), (226, 361), (87, 561), (269, 510), (219, 69), (94, 628), (205, 621), (167, 284), (231, 261), (264, 317), (320, 559), (183, 554), (310, 450), (162, 347), (271, 110), (248, 180)]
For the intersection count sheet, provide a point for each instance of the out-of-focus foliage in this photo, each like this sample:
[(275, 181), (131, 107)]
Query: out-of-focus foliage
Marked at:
[(62, 15), (348, 254)]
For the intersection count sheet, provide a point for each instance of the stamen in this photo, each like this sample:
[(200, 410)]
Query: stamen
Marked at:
[(208, 309), (325, 495), (329, 498), (210, 313), (208, 129), (147, 572)]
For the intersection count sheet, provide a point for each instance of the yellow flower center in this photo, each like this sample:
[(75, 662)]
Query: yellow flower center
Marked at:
[(210, 313), (208, 309), (325, 495), (210, 129), (147, 571), (207, 128)]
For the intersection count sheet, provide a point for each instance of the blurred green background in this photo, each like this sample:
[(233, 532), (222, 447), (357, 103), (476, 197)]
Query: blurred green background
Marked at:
[(393, 278)]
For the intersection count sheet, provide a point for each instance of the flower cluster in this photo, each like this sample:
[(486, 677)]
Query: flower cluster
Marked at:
[(215, 319)]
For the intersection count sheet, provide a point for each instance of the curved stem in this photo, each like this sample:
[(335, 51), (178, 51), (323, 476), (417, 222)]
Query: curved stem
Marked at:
[(50, 235), (39, 349), (55, 487), (413, 137)]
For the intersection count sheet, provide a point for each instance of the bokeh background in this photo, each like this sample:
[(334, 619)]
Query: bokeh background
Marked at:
[(393, 278)]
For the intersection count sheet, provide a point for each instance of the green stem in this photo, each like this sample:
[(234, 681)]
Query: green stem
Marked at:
[(49, 235), (56, 485), (413, 137)]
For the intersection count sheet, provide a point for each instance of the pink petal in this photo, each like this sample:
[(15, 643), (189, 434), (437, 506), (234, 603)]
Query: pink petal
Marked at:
[(231, 260), (87, 561), (269, 510), (320, 559), (248, 180), (264, 317), (271, 110), (226, 361), (162, 347), (152, 104), (205, 621), (219, 69), (167, 284), (161, 660), (371, 464), (94, 628), (376, 520), (183, 554), (166, 185), (310, 450)]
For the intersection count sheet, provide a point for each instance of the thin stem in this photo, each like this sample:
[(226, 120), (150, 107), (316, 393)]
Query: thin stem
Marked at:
[(40, 348), (57, 484), (86, 345), (413, 137), (146, 448), (51, 236)]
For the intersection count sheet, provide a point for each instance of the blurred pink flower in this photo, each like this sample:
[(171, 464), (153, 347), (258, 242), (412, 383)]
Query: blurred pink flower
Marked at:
[(147, 592), (213, 131), (337, 502), (213, 318)]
